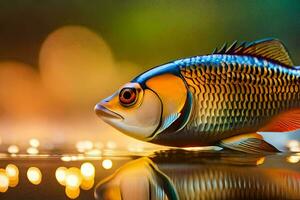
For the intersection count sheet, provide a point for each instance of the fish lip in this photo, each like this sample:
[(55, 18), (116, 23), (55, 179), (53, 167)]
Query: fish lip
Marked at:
[(104, 112)]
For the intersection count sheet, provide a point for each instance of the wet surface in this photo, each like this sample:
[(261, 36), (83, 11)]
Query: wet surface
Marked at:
[(159, 175)]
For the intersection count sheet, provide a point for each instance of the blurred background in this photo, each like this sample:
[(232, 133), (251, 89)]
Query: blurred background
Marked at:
[(59, 58)]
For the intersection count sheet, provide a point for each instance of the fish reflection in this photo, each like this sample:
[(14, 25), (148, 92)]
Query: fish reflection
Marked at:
[(223, 177)]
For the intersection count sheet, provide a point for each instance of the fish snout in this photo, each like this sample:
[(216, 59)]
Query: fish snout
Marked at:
[(103, 112), (99, 109)]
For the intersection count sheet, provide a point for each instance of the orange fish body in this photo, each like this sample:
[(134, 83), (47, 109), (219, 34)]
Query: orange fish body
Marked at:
[(221, 99)]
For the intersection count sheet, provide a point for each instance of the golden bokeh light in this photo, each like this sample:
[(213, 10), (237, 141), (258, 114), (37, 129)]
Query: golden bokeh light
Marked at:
[(72, 55), (87, 184), (107, 164), (4, 181), (66, 158), (60, 175), (72, 180), (32, 150), (13, 149), (72, 193), (12, 172), (34, 142), (34, 175), (87, 170), (69, 56), (14, 183), (73, 177)]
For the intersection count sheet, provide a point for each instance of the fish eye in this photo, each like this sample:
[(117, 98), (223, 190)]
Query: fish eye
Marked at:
[(128, 96)]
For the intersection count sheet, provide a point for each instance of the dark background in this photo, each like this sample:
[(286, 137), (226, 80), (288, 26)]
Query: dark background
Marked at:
[(149, 32)]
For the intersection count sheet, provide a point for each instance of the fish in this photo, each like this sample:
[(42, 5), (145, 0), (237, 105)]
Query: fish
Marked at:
[(228, 99), (150, 179)]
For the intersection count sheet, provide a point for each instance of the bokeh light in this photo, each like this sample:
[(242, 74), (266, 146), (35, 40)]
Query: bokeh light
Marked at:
[(87, 184), (64, 56), (34, 142), (4, 181), (73, 177), (32, 150), (34, 175), (12, 172), (72, 193), (107, 164), (87, 170), (60, 175), (13, 149), (66, 158)]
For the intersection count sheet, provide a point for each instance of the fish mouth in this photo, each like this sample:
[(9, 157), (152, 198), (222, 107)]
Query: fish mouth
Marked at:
[(103, 112)]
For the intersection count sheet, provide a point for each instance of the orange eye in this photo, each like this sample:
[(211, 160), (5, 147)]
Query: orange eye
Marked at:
[(127, 96)]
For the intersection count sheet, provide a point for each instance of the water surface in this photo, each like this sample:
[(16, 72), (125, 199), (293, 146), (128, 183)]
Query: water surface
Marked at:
[(157, 175)]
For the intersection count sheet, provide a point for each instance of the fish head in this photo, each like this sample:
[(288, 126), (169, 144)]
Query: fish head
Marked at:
[(132, 110), (144, 108)]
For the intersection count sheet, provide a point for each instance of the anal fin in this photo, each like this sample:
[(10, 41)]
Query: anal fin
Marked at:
[(248, 143)]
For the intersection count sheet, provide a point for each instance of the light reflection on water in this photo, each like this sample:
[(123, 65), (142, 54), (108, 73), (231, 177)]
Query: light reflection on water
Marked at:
[(52, 177), (204, 175)]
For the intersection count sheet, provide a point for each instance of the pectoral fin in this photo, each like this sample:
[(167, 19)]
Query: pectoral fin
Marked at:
[(248, 143)]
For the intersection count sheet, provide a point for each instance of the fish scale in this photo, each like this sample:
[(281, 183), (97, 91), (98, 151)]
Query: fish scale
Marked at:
[(235, 78)]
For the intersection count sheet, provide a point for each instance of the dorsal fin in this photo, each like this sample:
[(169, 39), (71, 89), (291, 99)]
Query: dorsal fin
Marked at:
[(270, 49)]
